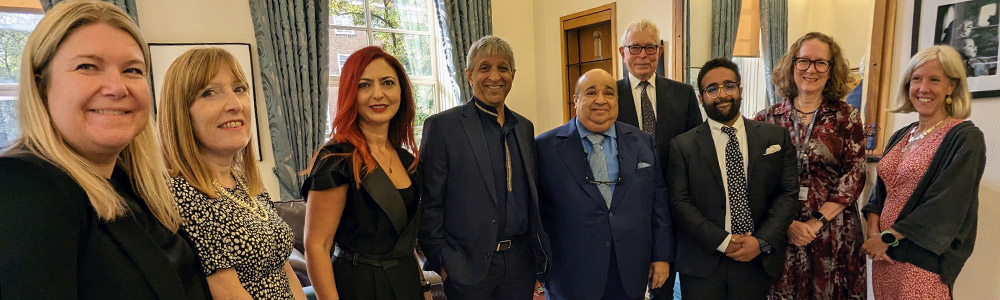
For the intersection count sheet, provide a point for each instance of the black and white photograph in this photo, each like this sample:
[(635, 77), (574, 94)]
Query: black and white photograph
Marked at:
[(971, 28)]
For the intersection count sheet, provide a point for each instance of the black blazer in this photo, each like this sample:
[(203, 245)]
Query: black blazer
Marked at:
[(677, 111), (459, 198), (697, 196), (62, 250)]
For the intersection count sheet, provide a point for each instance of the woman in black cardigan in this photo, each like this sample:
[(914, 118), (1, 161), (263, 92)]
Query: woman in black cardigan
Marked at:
[(84, 208), (922, 212)]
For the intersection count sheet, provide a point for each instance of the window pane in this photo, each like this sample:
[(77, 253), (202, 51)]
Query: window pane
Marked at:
[(14, 30), (9, 129), (423, 95), (399, 14), (331, 109), (341, 47), (412, 50), (347, 12)]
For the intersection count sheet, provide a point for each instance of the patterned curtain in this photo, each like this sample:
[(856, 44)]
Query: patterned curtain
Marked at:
[(293, 49), (725, 22), (463, 22), (773, 38), (127, 5)]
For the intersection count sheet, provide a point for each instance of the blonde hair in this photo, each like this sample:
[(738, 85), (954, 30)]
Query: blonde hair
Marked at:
[(38, 136), (837, 85), (641, 25), (954, 68), (186, 77)]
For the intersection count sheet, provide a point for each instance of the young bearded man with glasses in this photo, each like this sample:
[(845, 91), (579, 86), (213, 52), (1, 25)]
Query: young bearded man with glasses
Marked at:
[(659, 106)]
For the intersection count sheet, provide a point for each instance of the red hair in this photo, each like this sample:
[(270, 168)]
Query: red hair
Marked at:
[(345, 123)]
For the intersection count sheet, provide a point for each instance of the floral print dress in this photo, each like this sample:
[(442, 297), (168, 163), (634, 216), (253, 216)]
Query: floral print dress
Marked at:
[(832, 266)]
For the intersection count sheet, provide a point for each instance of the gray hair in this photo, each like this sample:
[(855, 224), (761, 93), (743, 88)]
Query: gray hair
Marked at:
[(491, 46), (641, 25)]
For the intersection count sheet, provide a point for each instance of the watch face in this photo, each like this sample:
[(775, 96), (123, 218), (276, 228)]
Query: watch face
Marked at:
[(888, 238), (817, 215)]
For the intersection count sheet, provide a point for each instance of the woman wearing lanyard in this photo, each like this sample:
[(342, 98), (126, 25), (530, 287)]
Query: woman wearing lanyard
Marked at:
[(824, 260)]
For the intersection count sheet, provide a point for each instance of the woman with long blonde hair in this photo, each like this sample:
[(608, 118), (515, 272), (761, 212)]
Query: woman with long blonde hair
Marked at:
[(84, 206)]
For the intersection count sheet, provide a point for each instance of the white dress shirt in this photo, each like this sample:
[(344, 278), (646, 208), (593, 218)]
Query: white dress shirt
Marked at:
[(637, 95), (720, 139)]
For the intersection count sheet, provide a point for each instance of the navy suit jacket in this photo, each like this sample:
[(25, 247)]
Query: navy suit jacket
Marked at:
[(459, 226), (698, 199), (583, 229), (677, 111)]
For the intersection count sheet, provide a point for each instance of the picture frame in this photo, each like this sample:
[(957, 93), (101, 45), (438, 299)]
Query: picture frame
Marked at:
[(162, 55), (971, 27)]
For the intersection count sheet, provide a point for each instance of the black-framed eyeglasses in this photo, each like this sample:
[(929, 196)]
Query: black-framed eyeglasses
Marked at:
[(597, 182), (650, 49), (802, 64), (714, 91)]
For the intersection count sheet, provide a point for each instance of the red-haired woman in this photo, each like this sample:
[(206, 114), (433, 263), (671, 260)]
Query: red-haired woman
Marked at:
[(361, 192)]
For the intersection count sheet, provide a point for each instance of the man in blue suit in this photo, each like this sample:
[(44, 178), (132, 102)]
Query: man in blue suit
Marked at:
[(603, 201), (481, 228)]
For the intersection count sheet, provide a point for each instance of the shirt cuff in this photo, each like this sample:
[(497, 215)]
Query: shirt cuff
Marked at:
[(725, 243)]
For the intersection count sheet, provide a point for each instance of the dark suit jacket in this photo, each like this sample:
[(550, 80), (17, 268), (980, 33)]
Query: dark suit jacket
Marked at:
[(698, 199), (459, 226), (582, 228), (677, 111), (53, 245)]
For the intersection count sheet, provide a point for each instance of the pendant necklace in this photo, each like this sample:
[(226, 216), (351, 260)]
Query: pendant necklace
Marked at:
[(916, 137)]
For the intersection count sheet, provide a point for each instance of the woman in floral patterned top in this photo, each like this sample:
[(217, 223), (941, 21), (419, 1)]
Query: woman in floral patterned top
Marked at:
[(824, 258), (204, 120)]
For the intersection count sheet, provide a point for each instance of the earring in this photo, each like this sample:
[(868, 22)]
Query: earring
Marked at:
[(948, 100)]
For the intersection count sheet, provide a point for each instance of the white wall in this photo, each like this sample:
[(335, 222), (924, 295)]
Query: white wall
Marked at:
[(216, 21), (852, 33), (532, 28), (980, 278)]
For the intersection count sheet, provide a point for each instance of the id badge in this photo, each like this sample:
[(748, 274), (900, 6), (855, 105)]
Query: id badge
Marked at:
[(803, 193)]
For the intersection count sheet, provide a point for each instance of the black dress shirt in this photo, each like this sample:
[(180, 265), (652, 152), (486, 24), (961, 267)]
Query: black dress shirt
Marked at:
[(512, 205)]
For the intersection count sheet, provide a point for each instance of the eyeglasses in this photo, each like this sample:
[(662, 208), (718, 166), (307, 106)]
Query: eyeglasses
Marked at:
[(731, 88), (650, 49), (596, 182), (802, 64)]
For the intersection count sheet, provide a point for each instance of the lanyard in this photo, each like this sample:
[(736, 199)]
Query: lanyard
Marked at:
[(801, 146)]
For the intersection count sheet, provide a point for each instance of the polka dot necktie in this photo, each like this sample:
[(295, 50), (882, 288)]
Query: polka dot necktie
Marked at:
[(648, 117), (737, 180)]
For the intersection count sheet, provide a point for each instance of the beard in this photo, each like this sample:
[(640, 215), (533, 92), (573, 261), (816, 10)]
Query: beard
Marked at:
[(714, 113)]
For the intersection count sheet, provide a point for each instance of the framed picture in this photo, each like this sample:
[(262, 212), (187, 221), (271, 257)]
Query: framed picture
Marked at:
[(164, 54), (970, 26)]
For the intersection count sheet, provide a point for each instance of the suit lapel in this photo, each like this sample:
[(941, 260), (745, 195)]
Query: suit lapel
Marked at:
[(755, 147), (626, 104), (477, 140), (629, 161), (662, 103), (147, 256), (706, 147), (378, 185), (524, 139), (575, 159)]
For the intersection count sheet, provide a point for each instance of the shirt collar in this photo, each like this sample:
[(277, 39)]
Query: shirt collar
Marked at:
[(716, 126), (634, 81), (584, 132), (493, 110)]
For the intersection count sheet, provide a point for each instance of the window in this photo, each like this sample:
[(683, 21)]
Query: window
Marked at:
[(407, 29), (16, 23)]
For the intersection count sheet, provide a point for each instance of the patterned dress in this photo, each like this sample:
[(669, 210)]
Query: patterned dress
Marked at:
[(901, 172), (228, 235), (832, 266)]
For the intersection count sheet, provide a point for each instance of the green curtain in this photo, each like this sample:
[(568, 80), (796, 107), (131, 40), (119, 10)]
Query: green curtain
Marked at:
[(127, 5), (725, 22), (463, 22), (293, 49), (774, 39)]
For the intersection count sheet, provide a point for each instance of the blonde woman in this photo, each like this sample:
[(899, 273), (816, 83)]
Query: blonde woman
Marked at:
[(204, 120), (84, 209)]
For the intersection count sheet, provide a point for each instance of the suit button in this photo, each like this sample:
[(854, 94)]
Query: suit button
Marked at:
[(486, 254), (607, 244), (494, 222), (611, 214)]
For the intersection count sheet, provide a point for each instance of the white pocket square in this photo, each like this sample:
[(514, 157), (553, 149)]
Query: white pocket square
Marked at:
[(772, 149), (643, 165)]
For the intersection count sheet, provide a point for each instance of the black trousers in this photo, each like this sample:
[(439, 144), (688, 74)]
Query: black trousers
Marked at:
[(665, 292), (730, 280), (511, 277)]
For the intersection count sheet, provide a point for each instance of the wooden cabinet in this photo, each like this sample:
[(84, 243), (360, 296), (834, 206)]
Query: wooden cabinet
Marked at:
[(589, 41)]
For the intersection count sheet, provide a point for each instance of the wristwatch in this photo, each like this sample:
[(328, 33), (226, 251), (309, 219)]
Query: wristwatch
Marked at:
[(889, 238), (819, 216)]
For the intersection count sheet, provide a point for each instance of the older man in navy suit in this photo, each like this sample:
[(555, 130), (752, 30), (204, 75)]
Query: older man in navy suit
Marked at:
[(603, 201)]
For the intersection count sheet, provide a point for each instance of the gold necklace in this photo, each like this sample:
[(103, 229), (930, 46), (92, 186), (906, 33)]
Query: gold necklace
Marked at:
[(253, 206), (914, 137)]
